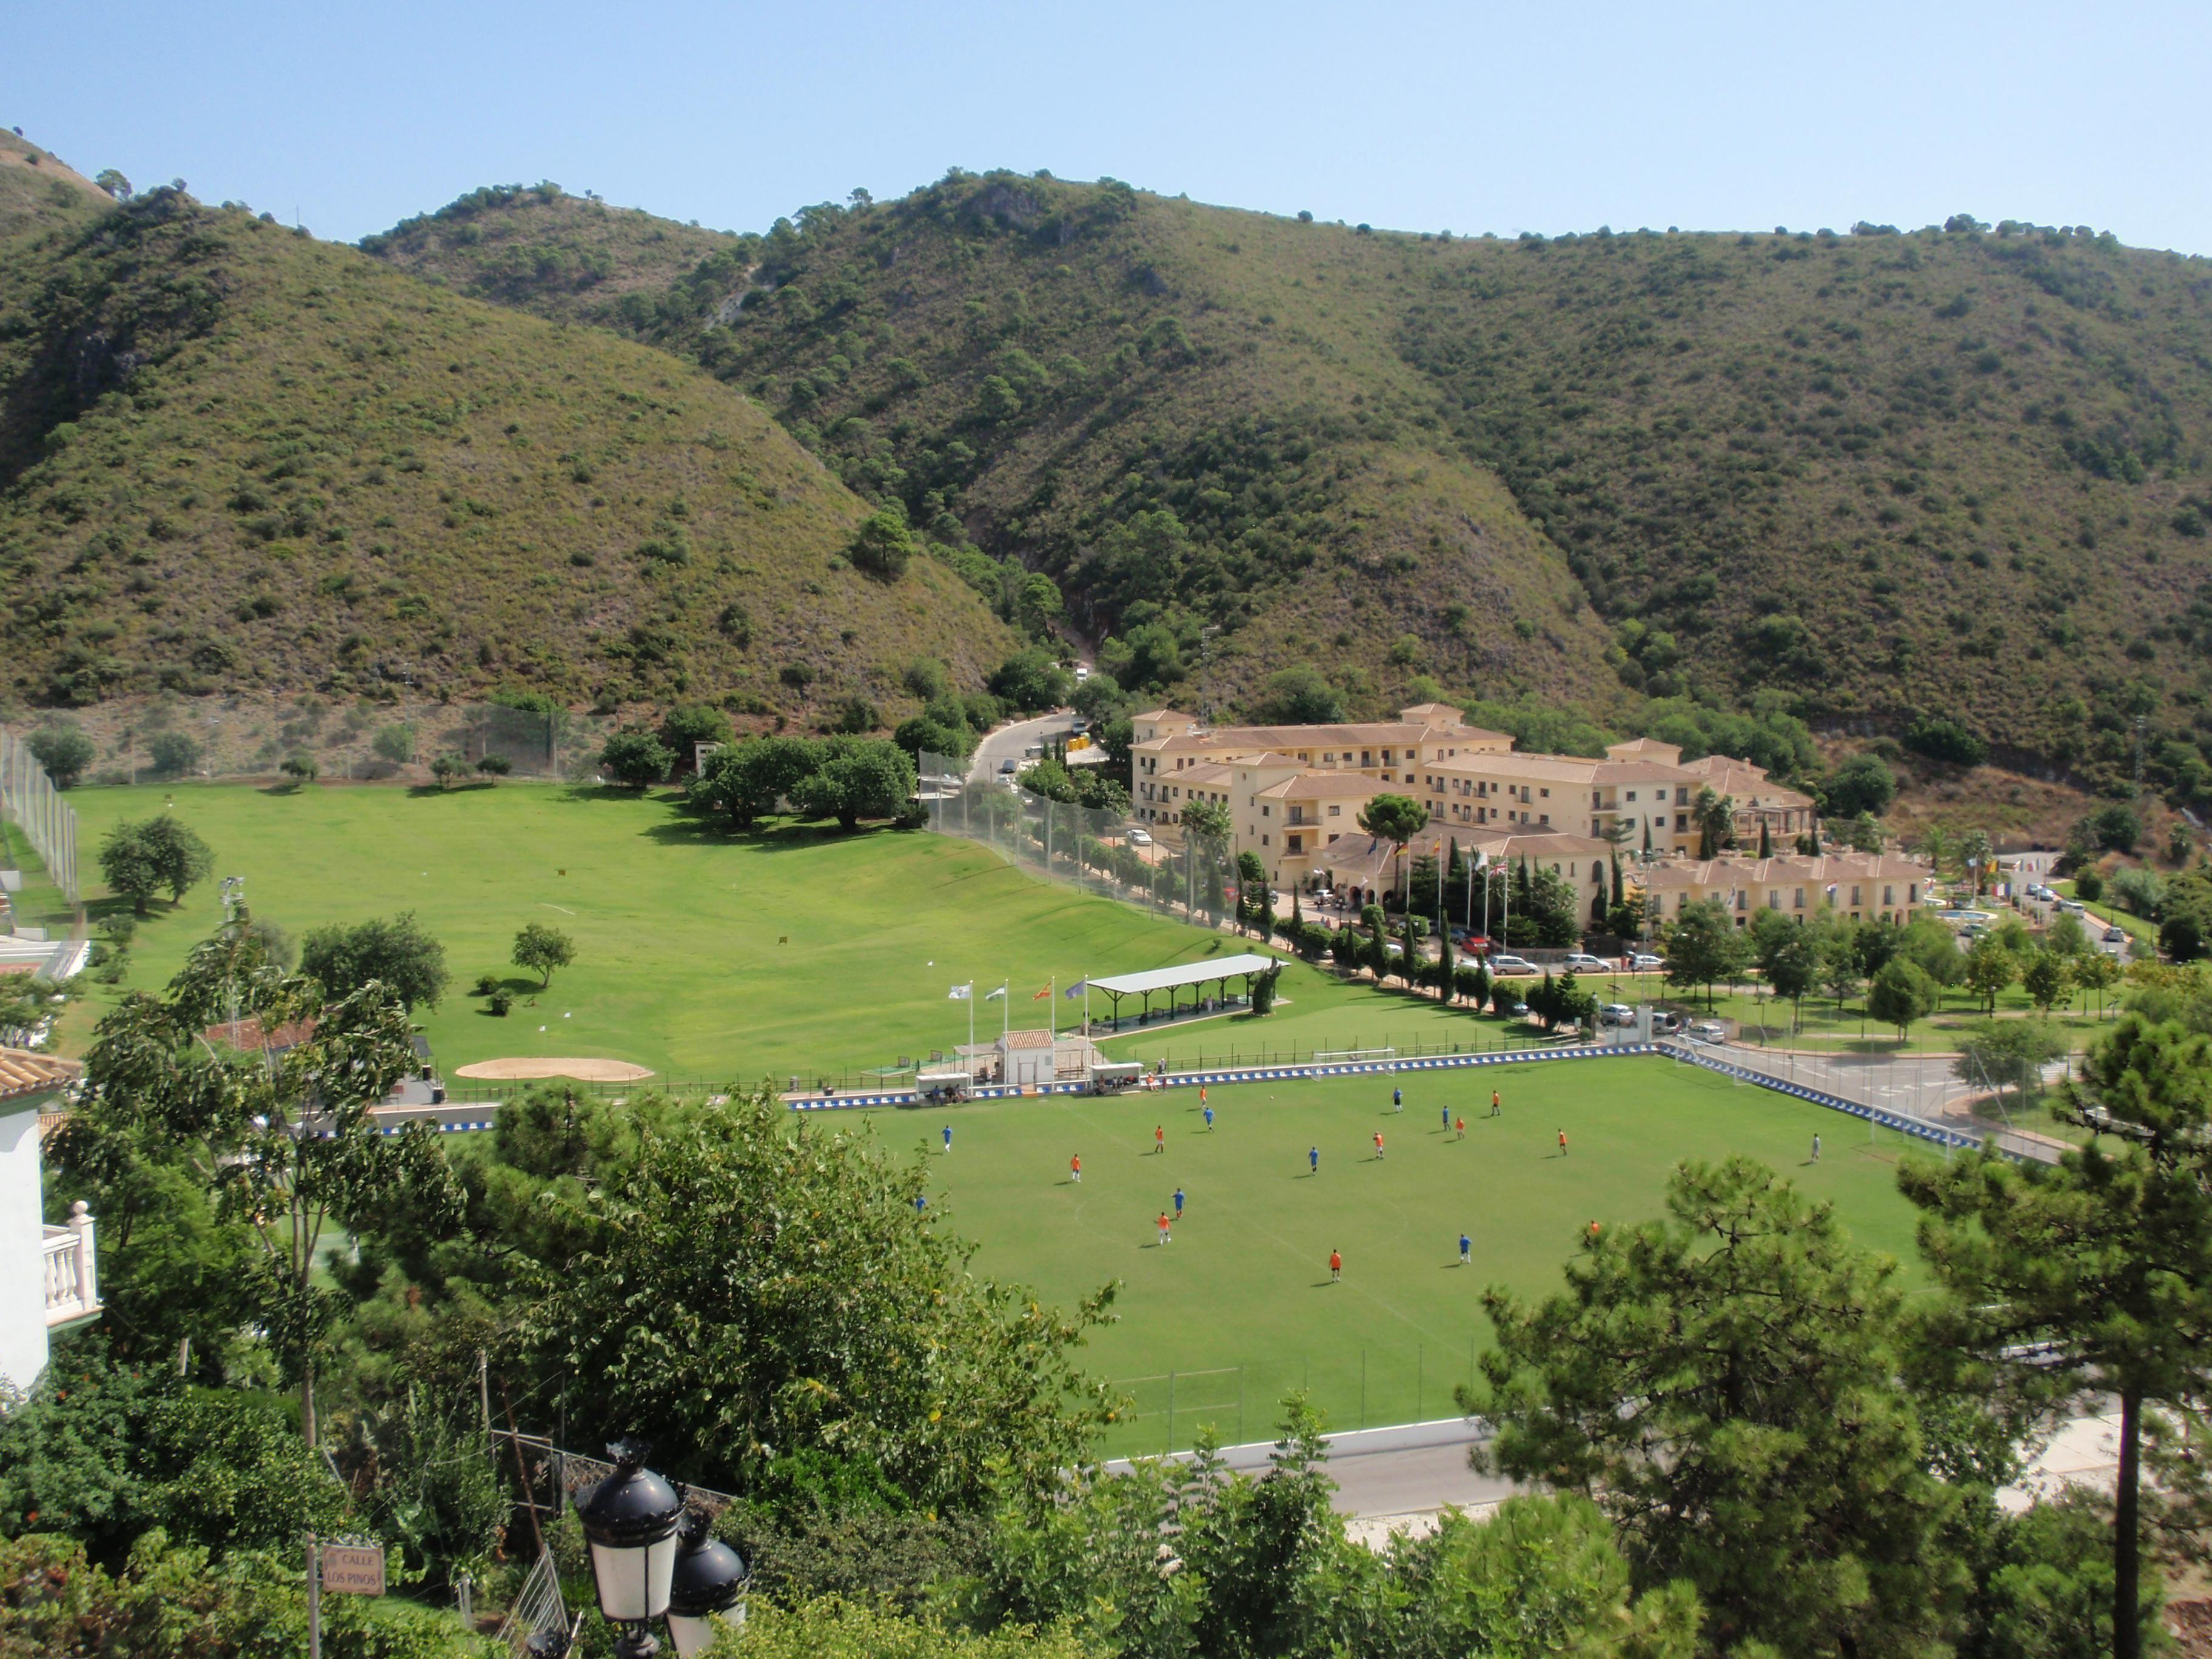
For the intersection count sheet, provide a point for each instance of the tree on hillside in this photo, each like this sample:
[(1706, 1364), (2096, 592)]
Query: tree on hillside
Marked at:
[(747, 780), (399, 954), (1863, 783), (1722, 1382), (1704, 947), (1030, 680), (882, 545), (635, 760), (446, 767), (63, 753), (540, 949), (1299, 696), (2094, 1274), (870, 778), (1901, 994), (137, 861)]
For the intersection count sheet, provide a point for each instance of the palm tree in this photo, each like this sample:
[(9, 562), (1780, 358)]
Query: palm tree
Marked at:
[(1937, 846), (1977, 854)]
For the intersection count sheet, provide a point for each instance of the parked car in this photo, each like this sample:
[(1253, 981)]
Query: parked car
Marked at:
[(1582, 961), (1323, 895), (2073, 906), (1616, 1013), (1641, 963), (2116, 936), (1502, 964), (1079, 725), (1709, 1030), (1520, 1011), (1082, 673), (1666, 1025), (1007, 768), (1140, 838)]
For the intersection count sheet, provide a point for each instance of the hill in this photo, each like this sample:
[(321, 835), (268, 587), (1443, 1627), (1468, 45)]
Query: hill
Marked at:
[(235, 459), (1946, 475), (572, 259), (38, 190)]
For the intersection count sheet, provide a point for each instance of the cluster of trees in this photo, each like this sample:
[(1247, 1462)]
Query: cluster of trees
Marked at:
[(1903, 971), (141, 860), (843, 778)]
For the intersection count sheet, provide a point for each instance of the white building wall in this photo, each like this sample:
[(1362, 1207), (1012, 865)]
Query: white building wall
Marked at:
[(22, 1265)]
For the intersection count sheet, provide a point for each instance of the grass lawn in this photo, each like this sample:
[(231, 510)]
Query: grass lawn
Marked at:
[(700, 954), (1245, 1283)]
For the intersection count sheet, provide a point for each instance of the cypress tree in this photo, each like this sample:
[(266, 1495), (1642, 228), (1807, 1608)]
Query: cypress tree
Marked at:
[(1444, 956), (1765, 841)]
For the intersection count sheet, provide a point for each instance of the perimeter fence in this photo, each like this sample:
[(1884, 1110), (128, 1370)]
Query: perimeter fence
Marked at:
[(28, 796), (1084, 848), (1369, 1387)]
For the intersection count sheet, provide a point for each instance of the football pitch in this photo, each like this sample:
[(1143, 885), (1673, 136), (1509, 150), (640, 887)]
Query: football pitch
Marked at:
[(1240, 1307)]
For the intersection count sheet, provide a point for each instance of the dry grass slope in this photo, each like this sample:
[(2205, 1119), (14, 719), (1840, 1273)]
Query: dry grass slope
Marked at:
[(232, 458)]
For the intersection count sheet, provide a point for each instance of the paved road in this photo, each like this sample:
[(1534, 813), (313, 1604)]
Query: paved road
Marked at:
[(1012, 742), (1408, 1469)]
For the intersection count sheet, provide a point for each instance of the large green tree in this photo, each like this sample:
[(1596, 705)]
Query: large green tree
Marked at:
[(1704, 947), (700, 1265), (859, 778), (140, 860), (400, 954), (2095, 1272), (749, 779), (1724, 1383)]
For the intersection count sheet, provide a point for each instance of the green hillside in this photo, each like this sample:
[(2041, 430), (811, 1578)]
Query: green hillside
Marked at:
[(235, 458), (1945, 473), (570, 257)]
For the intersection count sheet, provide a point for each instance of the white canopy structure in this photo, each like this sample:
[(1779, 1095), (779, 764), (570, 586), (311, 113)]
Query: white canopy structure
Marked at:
[(1246, 966)]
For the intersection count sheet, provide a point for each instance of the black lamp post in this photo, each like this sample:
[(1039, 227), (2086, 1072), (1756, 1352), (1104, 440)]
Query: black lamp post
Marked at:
[(708, 1585), (629, 1521)]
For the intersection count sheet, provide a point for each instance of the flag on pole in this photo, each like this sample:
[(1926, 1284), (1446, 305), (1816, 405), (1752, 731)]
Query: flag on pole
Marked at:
[(961, 993), (1042, 995), (993, 996), (1078, 988)]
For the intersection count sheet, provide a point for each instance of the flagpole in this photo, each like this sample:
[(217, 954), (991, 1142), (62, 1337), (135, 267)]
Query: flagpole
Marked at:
[(971, 1022), (1005, 1009)]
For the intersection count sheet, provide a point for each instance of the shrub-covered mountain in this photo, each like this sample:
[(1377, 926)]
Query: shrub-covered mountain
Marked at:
[(231, 456), (1948, 475)]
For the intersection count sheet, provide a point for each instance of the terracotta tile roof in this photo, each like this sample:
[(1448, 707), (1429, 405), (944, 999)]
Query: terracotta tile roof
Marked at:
[(24, 1074), (1029, 1039), (1311, 785), (249, 1038)]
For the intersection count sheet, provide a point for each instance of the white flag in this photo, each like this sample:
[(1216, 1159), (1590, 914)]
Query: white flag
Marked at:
[(961, 993), (994, 995)]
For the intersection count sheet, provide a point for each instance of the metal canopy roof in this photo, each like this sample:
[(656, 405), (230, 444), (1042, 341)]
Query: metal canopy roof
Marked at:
[(1193, 973)]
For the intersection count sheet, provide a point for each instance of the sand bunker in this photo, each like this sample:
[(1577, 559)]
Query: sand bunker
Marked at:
[(583, 1071)]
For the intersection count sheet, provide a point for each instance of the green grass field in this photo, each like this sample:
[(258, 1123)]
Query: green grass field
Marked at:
[(703, 955), (1240, 1305)]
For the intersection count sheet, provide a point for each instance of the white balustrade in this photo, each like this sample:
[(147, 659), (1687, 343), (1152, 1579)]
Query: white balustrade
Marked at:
[(72, 1275)]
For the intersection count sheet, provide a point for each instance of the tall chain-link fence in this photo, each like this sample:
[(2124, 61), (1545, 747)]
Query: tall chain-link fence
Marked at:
[(1080, 847), (28, 796), (255, 737)]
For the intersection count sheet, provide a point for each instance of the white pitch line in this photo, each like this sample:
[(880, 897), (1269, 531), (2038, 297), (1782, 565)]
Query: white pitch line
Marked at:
[(563, 908)]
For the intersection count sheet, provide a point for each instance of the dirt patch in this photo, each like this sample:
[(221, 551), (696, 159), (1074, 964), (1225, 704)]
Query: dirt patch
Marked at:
[(583, 1071)]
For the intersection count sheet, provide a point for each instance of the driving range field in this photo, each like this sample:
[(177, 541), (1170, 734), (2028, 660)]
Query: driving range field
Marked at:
[(700, 954), (1240, 1305)]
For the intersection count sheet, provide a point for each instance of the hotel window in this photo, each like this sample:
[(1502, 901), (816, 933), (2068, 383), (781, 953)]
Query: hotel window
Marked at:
[(1739, 898), (1889, 895), (1774, 898), (1632, 794), (1682, 821), (1297, 843), (1336, 812), (1800, 903), (1681, 795), (1855, 895), (1913, 894), (1546, 793), (1596, 801), (1263, 841)]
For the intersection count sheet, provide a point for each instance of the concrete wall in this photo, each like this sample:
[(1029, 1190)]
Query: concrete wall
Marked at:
[(23, 1275)]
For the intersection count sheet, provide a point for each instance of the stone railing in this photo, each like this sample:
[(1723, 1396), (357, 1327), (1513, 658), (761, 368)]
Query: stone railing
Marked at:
[(72, 1277)]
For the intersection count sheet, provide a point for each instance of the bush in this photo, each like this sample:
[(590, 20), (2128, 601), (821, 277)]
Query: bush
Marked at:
[(173, 753), (500, 1002), (486, 985), (63, 753), (912, 816), (495, 766), (687, 727), (446, 767), (395, 743), (2114, 827), (1947, 741), (1300, 697), (856, 717), (2089, 885), (635, 760), (1863, 783), (300, 765)]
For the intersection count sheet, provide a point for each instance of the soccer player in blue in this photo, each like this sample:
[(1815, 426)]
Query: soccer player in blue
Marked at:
[(1209, 1117), (1447, 1111), (948, 1137), (1397, 1100), (1178, 1204), (920, 1203), (1466, 1250), (1313, 1160)]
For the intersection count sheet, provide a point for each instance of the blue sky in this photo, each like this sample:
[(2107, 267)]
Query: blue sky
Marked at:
[(1472, 117)]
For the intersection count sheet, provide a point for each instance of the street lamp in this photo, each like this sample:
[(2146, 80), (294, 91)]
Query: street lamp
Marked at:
[(708, 1586), (629, 1521)]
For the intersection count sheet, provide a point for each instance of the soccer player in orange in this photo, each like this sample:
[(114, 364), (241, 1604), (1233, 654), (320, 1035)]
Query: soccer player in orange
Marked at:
[(1166, 1237), (1459, 1124), (1335, 1266), (1563, 1143), (1378, 1145), (1075, 1169), (1159, 1136)]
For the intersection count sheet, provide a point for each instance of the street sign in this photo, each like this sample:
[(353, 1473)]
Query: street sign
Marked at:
[(354, 1569)]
